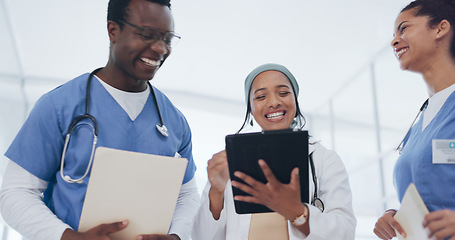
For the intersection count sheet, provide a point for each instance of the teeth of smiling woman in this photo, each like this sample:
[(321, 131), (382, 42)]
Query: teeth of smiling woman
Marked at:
[(151, 62), (399, 53), (275, 115)]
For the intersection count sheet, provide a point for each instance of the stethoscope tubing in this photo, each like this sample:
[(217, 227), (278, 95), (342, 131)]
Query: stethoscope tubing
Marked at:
[(316, 201), (73, 126), (67, 178), (422, 108), (77, 122)]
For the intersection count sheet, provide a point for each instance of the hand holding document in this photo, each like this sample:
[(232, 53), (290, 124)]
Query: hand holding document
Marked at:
[(411, 215), (141, 188)]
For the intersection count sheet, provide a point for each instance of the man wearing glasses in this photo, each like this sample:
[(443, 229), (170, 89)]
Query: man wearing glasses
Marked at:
[(126, 109)]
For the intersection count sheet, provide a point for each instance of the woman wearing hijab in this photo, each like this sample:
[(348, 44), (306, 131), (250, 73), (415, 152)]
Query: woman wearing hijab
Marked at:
[(271, 93)]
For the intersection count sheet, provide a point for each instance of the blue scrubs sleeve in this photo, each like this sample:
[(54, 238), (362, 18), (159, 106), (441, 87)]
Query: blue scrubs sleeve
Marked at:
[(38, 145), (186, 152)]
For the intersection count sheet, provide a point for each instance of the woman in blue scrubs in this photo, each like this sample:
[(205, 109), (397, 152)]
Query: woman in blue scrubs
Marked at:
[(424, 42)]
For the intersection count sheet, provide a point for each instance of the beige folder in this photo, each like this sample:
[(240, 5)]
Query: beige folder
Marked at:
[(142, 188), (268, 226), (411, 215)]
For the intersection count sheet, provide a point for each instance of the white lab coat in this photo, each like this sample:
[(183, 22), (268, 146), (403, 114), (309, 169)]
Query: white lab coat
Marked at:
[(336, 222)]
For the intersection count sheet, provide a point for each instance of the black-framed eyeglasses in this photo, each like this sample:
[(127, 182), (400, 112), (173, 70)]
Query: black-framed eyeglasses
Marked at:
[(150, 35)]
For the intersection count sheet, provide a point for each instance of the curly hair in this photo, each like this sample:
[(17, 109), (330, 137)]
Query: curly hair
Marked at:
[(436, 11), (118, 9)]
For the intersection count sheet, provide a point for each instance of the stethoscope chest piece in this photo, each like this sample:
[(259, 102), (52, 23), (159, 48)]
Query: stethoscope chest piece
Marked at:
[(317, 202), (162, 129), (160, 126)]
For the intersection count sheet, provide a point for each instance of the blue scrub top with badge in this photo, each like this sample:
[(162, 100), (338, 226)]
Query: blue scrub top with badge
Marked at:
[(39, 144), (435, 182)]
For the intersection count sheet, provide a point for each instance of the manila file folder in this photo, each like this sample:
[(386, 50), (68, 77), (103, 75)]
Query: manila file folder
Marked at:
[(142, 188), (411, 215)]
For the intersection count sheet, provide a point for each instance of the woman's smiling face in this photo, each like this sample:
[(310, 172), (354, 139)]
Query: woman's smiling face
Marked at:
[(414, 41), (272, 101)]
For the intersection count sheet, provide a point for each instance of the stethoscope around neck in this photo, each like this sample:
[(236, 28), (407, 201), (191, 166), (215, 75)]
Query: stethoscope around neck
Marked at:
[(77, 123), (422, 108), (316, 201)]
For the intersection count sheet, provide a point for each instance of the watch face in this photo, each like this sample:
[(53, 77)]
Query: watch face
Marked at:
[(300, 220)]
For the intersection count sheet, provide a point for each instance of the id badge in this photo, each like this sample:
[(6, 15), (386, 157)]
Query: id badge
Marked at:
[(443, 151)]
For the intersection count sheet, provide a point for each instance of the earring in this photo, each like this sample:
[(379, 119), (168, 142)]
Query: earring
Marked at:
[(437, 36), (294, 123)]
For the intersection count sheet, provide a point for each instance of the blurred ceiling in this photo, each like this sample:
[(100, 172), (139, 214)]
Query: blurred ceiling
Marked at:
[(324, 43)]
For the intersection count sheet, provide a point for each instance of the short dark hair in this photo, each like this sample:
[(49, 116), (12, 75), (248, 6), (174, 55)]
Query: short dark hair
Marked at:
[(436, 11), (117, 10)]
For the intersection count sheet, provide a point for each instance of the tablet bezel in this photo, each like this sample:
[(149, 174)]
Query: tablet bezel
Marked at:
[(282, 150)]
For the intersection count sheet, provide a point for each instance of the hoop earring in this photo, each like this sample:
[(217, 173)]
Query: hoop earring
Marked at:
[(294, 123)]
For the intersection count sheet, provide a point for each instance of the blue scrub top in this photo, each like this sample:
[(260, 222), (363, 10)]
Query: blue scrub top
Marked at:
[(38, 145), (435, 182)]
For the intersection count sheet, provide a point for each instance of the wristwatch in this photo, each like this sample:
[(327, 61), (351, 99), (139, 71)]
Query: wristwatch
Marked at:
[(300, 220)]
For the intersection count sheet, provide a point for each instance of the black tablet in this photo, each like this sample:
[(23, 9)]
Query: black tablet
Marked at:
[(282, 150)]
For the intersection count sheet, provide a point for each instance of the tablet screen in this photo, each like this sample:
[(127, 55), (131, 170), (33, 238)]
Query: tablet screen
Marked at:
[(282, 150)]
